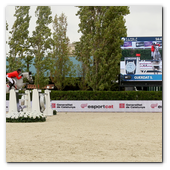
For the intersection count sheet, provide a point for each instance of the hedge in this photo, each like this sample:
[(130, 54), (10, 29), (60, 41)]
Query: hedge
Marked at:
[(103, 95), (106, 95)]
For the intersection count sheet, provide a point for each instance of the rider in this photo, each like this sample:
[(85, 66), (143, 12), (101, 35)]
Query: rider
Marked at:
[(152, 50), (11, 75)]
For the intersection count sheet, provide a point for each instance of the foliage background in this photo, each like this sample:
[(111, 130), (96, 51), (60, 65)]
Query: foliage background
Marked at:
[(103, 95)]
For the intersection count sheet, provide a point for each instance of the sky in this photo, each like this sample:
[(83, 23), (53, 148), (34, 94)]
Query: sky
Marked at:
[(143, 20)]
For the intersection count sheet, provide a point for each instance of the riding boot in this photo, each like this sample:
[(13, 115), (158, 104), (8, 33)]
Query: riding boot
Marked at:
[(10, 85)]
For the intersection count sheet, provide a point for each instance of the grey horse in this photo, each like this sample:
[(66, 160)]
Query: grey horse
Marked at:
[(19, 83), (157, 55)]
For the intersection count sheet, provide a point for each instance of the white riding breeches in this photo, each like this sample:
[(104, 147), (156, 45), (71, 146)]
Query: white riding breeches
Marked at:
[(152, 54), (10, 79)]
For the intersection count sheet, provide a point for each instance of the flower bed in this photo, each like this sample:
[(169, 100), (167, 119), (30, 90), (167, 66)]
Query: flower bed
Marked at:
[(25, 117)]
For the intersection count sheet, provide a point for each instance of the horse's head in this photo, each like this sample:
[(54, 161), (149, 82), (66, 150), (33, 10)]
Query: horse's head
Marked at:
[(28, 75), (30, 78)]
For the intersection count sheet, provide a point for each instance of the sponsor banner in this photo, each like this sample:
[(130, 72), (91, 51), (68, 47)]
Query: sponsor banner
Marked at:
[(144, 43), (148, 43), (140, 44), (105, 106), (82, 105), (144, 65), (127, 44), (19, 106)]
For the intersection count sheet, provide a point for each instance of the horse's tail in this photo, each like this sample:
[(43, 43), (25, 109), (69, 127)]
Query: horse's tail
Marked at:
[(7, 88)]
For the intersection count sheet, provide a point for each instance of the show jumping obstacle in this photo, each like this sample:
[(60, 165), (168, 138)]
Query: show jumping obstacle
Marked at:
[(12, 103), (25, 100), (37, 101)]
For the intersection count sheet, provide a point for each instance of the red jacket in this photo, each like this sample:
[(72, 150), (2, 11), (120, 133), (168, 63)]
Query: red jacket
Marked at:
[(14, 74), (152, 48)]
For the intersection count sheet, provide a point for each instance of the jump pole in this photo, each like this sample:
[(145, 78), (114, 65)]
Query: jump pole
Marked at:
[(12, 103), (36, 101), (48, 111), (27, 101)]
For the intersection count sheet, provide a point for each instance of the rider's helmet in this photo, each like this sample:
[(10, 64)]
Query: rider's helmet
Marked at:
[(18, 70)]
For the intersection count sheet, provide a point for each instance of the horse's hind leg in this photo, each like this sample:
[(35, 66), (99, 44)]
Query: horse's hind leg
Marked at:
[(10, 85)]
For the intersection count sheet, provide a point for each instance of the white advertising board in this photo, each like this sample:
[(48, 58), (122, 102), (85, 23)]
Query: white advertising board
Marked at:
[(7, 105), (105, 106)]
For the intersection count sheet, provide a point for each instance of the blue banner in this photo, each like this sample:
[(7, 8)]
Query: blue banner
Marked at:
[(142, 77), (142, 38)]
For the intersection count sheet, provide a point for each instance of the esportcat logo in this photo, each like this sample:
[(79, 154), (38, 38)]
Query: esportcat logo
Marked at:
[(97, 106), (83, 105), (154, 105)]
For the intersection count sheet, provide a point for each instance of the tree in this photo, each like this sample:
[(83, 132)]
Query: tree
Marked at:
[(7, 26), (6, 41), (99, 48), (62, 69), (82, 68), (41, 42), (20, 54)]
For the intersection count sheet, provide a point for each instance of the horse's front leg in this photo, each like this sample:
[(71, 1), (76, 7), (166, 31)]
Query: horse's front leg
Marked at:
[(23, 85)]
